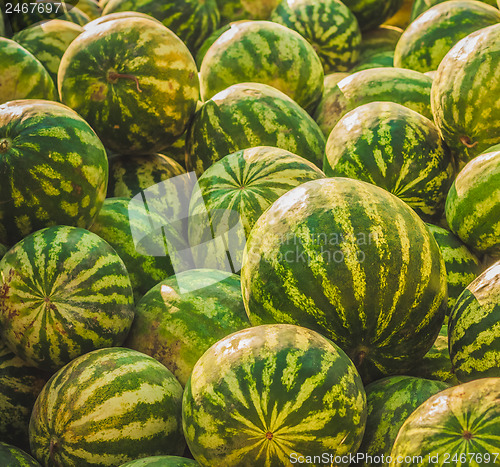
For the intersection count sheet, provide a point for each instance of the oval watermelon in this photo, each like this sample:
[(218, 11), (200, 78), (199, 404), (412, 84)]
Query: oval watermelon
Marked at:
[(12, 456)]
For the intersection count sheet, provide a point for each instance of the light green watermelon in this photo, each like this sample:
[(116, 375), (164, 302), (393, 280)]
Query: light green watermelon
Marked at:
[(263, 52), (11, 456), (117, 404), (162, 461), (69, 293), (271, 395), (354, 262)]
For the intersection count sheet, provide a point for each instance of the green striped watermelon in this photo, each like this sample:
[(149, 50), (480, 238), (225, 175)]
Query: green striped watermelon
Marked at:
[(390, 402), (182, 316), (64, 292), (474, 328), (245, 184), (405, 87), (458, 426), (473, 204), (11, 456), (134, 81), (266, 395), (328, 25), (419, 6), (393, 147), (20, 385), (193, 21), (248, 115), (381, 39), (372, 13), (162, 461), (23, 76), (105, 408), (48, 41), (120, 15), (263, 52), (465, 92), (377, 60), (436, 363), (429, 38), (462, 266), (352, 261), (233, 10), (89, 7), (55, 165)]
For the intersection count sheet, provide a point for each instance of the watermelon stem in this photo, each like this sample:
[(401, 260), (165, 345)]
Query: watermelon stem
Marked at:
[(4, 145), (53, 449), (115, 76), (466, 141)]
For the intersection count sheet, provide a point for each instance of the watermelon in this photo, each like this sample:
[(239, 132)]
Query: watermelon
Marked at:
[(89, 7), (64, 292), (457, 426), (378, 60), (473, 204), (465, 94), (162, 461), (354, 262), (419, 6), (243, 184), (474, 328), (184, 315), (381, 39), (428, 39), (248, 115), (48, 41), (436, 363), (193, 21), (271, 395), (128, 406), (20, 385), (263, 52), (328, 25), (128, 176), (12, 456), (55, 165), (462, 266), (120, 15), (390, 402), (233, 10), (405, 87), (143, 96), (207, 43), (372, 13), (393, 147), (23, 76)]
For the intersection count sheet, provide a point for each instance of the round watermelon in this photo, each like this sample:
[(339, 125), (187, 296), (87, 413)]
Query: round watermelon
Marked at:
[(117, 405), (162, 461), (457, 426), (182, 316), (12, 456), (353, 262), (53, 166), (64, 292), (134, 81), (271, 394), (474, 332), (263, 52)]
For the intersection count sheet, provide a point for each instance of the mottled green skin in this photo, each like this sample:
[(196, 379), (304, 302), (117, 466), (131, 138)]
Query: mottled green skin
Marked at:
[(473, 204), (436, 363), (234, 10), (474, 328), (23, 76), (89, 7), (444, 424), (464, 95), (246, 182), (248, 115), (377, 60), (263, 52), (54, 165), (429, 38), (162, 461), (105, 408), (381, 39), (419, 6), (11, 456), (193, 21), (390, 402), (262, 393), (405, 87), (372, 13), (176, 327), (395, 148), (352, 261), (328, 25), (64, 292), (20, 385), (120, 15), (128, 176), (131, 119), (462, 266), (48, 41)]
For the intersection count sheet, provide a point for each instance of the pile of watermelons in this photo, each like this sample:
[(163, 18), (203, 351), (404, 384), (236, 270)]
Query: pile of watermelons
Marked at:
[(249, 233)]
